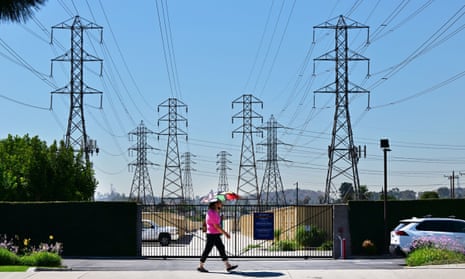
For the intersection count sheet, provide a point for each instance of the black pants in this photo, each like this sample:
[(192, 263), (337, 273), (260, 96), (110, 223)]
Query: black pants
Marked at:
[(214, 240)]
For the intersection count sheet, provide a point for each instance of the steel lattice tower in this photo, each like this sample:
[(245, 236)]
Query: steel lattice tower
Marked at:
[(76, 135), (187, 177), (343, 154), (247, 183), (272, 182), (172, 190), (222, 161), (141, 187)]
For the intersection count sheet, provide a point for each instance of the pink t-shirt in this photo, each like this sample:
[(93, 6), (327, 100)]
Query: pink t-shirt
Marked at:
[(213, 217)]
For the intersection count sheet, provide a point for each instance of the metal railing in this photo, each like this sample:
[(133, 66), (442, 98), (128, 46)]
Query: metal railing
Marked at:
[(297, 231)]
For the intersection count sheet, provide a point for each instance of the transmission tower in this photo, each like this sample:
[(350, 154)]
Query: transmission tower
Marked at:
[(272, 191), (247, 183), (172, 191), (187, 178), (141, 187), (223, 168), (76, 135), (343, 154)]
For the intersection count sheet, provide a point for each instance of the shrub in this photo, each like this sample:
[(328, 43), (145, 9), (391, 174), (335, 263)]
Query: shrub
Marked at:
[(309, 236), (283, 245), (16, 251), (7, 257), (443, 243), (327, 245), (41, 258), (431, 255)]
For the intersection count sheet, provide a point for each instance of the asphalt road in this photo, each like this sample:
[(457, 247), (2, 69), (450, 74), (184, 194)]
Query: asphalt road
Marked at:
[(181, 264)]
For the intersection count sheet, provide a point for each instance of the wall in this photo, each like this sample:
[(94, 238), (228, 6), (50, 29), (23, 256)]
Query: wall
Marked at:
[(86, 229)]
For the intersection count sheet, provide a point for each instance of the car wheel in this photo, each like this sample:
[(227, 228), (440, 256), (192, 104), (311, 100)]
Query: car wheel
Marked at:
[(164, 239)]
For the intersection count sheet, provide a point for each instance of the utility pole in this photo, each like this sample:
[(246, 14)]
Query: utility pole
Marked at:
[(187, 177), (452, 179), (343, 154), (141, 187), (223, 185), (384, 144), (272, 183), (76, 135), (172, 190), (247, 182)]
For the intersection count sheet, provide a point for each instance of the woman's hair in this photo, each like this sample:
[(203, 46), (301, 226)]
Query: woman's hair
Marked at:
[(212, 205)]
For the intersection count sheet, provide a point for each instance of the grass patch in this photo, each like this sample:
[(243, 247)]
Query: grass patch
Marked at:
[(433, 256), (13, 268)]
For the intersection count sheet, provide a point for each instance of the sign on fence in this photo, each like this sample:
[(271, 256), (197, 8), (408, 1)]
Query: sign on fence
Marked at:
[(263, 226)]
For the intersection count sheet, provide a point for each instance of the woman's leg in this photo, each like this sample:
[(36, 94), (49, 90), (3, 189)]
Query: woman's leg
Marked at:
[(208, 248), (220, 246)]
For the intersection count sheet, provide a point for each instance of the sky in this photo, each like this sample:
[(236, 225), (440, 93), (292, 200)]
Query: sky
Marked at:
[(208, 53)]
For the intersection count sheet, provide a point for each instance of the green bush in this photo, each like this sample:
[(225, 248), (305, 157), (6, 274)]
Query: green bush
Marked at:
[(7, 257), (309, 237), (327, 245), (431, 255), (283, 245), (41, 259)]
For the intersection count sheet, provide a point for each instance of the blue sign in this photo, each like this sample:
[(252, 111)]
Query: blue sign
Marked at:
[(263, 226)]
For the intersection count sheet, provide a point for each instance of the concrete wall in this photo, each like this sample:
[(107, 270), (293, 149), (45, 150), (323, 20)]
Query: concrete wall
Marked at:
[(341, 231)]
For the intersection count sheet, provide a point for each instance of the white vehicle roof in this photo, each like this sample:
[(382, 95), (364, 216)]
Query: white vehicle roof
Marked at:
[(417, 220)]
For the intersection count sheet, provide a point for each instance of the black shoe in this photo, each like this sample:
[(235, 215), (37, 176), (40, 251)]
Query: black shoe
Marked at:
[(201, 269), (231, 268)]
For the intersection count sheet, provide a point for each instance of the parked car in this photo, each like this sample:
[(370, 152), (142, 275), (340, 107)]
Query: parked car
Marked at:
[(153, 232), (410, 229)]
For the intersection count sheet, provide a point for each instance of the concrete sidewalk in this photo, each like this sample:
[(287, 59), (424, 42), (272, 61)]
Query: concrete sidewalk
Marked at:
[(248, 268), (449, 272)]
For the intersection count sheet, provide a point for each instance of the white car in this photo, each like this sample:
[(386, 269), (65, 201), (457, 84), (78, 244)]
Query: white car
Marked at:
[(153, 232), (409, 230)]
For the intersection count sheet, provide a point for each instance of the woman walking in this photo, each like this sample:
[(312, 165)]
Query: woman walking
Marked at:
[(214, 232)]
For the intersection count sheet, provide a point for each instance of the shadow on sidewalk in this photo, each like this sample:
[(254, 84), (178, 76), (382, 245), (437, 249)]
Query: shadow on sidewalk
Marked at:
[(258, 274)]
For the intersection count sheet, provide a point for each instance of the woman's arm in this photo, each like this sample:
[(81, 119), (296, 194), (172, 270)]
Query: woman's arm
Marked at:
[(219, 228)]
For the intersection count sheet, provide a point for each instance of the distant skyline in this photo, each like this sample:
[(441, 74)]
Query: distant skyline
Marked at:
[(207, 53)]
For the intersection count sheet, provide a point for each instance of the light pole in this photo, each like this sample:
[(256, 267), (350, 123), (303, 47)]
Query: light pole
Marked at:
[(297, 193), (384, 144)]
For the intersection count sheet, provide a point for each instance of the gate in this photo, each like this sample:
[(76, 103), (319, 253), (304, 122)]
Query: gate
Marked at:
[(296, 231)]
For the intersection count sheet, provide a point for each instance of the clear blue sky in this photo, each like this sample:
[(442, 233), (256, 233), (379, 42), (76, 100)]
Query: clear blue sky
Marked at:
[(224, 49)]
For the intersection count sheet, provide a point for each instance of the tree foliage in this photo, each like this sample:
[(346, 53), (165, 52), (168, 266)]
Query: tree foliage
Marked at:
[(18, 10), (346, 192), (32, 171), (429, 195)]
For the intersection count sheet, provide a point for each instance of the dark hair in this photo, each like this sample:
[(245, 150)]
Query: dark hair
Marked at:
[(212, 205)]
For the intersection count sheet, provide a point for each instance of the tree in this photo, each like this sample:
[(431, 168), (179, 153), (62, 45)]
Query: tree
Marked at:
[(443, 192), (18, 10), (364, 193), (429, 195), (346, 192), (31, 171)]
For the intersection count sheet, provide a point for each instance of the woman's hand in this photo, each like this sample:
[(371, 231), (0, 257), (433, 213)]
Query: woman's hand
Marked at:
[(227, 235)]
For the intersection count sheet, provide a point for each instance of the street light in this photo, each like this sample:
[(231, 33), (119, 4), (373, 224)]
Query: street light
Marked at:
[(384, 144)]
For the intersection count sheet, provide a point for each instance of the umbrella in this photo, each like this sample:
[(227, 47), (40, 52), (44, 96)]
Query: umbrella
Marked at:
[(209, 197), (222, 196), (227, 196)]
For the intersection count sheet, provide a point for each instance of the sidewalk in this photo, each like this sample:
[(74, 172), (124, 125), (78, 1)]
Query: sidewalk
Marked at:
[(251, 269), (424, 273)]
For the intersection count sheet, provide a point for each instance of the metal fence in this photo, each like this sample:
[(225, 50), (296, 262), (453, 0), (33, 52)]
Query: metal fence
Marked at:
[(297, 231)]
